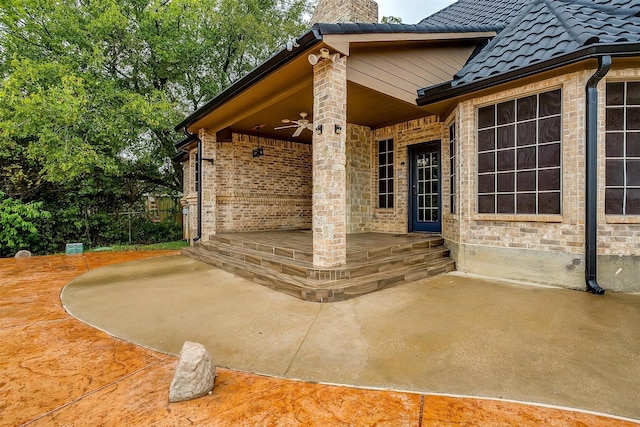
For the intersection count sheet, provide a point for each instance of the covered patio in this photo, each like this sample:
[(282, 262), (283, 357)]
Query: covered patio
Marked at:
[(295, 144)]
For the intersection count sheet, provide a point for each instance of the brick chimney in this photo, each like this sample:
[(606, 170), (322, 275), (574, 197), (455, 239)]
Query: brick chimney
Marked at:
[(343, 11)]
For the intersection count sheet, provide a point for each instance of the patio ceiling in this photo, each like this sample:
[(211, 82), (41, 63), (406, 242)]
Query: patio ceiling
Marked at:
[(381, 90), (287, 93)]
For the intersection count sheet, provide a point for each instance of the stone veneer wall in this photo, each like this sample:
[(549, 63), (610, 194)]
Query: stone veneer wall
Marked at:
[(405, 134), (272, 192), (335, 11), (209, 184), (359, 207), (329, 163), (190, 197), (450, 221)]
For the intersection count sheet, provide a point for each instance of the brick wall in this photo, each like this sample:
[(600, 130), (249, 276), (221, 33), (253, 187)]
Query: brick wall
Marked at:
[(272, 192), (359, 159)]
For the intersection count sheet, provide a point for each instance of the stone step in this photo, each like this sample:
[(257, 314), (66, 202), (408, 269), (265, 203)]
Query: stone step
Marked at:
[(298, 254), (319, 290), (282, 264)]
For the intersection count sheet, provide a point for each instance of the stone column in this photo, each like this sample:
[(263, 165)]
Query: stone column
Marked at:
[(209, 185), (329, 159), (190, 198)]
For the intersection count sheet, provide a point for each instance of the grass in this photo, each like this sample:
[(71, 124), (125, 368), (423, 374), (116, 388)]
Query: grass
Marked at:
[(154, 247)]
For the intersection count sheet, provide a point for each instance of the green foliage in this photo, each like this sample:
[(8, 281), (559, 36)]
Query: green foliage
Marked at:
[(18, 228), (90, 91), (391, 20), (165, 246)]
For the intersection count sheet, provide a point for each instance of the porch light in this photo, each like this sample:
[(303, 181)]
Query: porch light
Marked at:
[(258, 152), (338, 129), (319, 129)]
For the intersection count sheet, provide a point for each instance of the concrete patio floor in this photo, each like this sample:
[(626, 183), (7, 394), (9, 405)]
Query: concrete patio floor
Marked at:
[(451, 334)]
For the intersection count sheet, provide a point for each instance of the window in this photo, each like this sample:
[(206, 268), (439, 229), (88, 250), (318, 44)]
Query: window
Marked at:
[(452, 167), (385, 173), (622, 188), (519, 155)]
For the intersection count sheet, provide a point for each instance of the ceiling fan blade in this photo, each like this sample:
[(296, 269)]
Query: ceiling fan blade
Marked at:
[(285, 127), (298, 132)]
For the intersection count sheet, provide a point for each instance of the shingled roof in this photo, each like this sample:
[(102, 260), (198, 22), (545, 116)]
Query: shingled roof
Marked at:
[(470, 13), (535, 33)]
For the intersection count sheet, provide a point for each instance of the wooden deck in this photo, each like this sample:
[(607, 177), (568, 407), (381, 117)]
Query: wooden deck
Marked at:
[(283, 260)]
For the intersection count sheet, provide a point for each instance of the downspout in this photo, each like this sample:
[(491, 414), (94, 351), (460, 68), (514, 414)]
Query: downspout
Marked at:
[(591, 217), (199, 200)]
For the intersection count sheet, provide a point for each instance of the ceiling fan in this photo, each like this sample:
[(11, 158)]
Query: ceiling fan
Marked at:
[(300, 124)]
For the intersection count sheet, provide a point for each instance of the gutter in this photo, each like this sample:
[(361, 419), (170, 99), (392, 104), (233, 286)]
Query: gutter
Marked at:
[(307, 40), (591, 211), (446, 91)]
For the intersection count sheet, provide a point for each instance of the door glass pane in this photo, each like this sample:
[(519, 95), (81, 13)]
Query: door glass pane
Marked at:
[(427, 186)]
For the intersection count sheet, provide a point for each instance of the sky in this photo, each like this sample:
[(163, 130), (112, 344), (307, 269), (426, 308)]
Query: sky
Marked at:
[(411, 11)]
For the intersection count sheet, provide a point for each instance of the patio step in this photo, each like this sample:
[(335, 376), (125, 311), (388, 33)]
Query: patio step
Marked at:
[(290, 271)]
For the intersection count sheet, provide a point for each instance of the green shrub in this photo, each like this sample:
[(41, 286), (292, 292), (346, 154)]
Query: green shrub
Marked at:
[(18, 229)]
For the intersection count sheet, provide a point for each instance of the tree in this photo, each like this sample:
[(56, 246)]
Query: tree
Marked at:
[(90, 90)]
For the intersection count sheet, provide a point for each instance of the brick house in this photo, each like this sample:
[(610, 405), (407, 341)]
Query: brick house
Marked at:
[(509, 127)]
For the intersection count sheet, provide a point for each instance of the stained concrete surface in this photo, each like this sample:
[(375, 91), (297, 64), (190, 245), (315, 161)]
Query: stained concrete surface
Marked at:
[(448, 334)]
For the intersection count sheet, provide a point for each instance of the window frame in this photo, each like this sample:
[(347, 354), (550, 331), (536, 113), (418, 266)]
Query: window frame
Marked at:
[(624, 158), (498, 176), (386, 148)]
